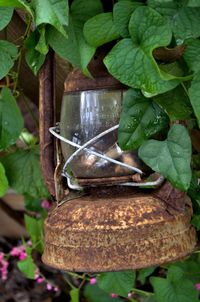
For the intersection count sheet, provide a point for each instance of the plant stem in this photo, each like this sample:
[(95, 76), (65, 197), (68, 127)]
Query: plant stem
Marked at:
[(142, 292)]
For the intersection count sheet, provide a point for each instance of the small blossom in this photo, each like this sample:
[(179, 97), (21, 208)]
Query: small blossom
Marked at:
[(22, 255), (56, 289), (46, 204), (29, 243), (39, 280), (15, 251), (4, 269), (93, 281), (197, 286), (49, 286), (1, 256), (113, 295), (129, 295)]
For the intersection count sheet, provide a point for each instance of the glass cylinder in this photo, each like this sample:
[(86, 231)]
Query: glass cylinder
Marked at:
[(84, 115)]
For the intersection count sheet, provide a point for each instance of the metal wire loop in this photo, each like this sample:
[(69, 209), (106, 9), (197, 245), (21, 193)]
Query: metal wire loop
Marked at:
[(70, 181)]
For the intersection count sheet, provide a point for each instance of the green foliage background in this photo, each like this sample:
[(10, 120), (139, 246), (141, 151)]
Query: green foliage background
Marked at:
[(160, 93)]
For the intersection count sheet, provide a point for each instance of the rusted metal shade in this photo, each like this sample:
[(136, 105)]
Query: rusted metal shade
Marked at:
[(126, 231)]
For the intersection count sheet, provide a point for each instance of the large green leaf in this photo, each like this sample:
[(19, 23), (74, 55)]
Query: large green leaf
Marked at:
[(166, 290), (192, 54), (100, 30), (176, 103), (171, 157), (3, 181), (194, 94), (54, 12), (11, 120), (183, 20), (5, 16), (24, 174), (193, 3), (34, 58), (119, 283), (75, 49), (140, 119), (94, 294), (8, 54), (122, 12), (131, 60)]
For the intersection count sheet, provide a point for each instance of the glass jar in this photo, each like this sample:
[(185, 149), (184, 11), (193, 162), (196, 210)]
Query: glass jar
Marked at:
[(84, 115)]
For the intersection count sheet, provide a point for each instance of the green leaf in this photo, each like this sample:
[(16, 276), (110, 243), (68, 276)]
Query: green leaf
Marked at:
[(24, 174), (94, 294), (3, 181), (171, 157), (122, 12), (8, 54), (34, 58), (124, 60), (176, 103), (35, 229), (183, 20), (100, 30), (54, 12), (75, 49), (74, 294), (192, 54), (166, 290), (11, 120), (119, 283), (27, 267), (144, 273), (194, 94), (140, 119), (22, 4), (6, 15)]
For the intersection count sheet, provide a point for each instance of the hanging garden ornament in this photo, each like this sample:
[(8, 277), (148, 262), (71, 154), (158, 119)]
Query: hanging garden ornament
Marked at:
[(105, 219)]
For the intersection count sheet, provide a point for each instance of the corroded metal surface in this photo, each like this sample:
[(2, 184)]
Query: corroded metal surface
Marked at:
[(134, 230)]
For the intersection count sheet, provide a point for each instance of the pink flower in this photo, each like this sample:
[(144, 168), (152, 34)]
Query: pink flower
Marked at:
[(4, 269), (93, 281), (197, 286), (113, 295), (46, 204), (15, 251), (22, 255), (1, 256), (49, 286), (56, 289), (39, 280), (129, 295)]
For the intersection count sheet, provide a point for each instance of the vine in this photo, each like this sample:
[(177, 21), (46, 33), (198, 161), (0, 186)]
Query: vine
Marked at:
[(155, 52)]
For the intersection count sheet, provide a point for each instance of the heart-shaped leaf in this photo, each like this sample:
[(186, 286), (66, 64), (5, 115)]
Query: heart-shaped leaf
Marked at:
[(100, 30), (75, 48), (171, 157), (140, 119), (131, 60), (183, 20), (122, 12), (51, 12), (117, 282)]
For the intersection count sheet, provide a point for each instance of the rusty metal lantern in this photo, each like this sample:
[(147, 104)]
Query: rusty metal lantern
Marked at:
[(107, 223)]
